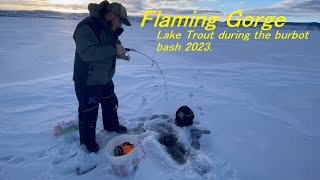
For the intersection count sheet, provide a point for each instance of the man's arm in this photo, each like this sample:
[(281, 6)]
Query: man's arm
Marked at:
[(117, 40), (120, 49), (89, 48)]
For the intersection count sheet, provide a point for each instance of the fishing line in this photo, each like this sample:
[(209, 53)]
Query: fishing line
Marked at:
[(153, 62)]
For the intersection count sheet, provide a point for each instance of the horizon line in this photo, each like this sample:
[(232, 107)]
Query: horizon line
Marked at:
[(140, 16)]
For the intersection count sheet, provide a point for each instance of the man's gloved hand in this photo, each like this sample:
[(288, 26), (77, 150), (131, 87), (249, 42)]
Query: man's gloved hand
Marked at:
[(120, 50)]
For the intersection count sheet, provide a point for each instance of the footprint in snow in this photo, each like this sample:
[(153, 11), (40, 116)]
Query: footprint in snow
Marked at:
[(57, 161), (42, 154), (65, 158), (201, 112), (195, 77), (6, 158), (162, 116), (144, 101), (16, 160), (81, 171)]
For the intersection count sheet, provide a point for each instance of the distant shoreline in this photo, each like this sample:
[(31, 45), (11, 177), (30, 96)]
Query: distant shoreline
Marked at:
[(79, 16)]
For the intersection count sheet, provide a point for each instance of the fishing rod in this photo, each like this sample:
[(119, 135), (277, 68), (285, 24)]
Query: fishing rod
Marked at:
[(127, 58)]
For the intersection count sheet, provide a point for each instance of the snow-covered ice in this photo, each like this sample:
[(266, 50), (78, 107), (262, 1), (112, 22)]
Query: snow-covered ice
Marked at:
[(260, 99)]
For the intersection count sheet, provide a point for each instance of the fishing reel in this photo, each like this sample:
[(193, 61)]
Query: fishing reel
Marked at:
[(125, 57)]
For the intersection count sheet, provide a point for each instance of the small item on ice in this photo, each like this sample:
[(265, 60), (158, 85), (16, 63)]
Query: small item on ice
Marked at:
[(65, 127), (123, 149), (184, 116)]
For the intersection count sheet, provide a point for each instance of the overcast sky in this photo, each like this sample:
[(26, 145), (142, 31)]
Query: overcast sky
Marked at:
[(295, 10)]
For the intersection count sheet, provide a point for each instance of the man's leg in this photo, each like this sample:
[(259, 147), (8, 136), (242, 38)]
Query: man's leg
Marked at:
[(109, 106), (88, 97)]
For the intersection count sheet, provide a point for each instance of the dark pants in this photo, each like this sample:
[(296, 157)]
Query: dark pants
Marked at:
[(89, 98)]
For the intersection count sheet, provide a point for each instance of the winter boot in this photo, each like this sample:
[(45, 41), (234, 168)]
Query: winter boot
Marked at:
[(118, 129), (92, 147)]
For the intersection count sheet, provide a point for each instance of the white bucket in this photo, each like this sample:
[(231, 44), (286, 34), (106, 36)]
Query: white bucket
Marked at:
[(124, 165)]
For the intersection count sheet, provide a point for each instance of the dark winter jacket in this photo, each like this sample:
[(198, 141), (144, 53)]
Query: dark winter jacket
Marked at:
[(95, 56)]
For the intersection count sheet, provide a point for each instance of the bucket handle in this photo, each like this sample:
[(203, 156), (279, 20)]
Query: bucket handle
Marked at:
[(144, 156)]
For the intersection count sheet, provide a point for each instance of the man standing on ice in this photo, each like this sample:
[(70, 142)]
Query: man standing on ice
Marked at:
[(97, 47)]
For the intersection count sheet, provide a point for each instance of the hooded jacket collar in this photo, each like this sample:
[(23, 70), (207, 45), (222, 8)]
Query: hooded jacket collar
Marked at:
[(94, 10)]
